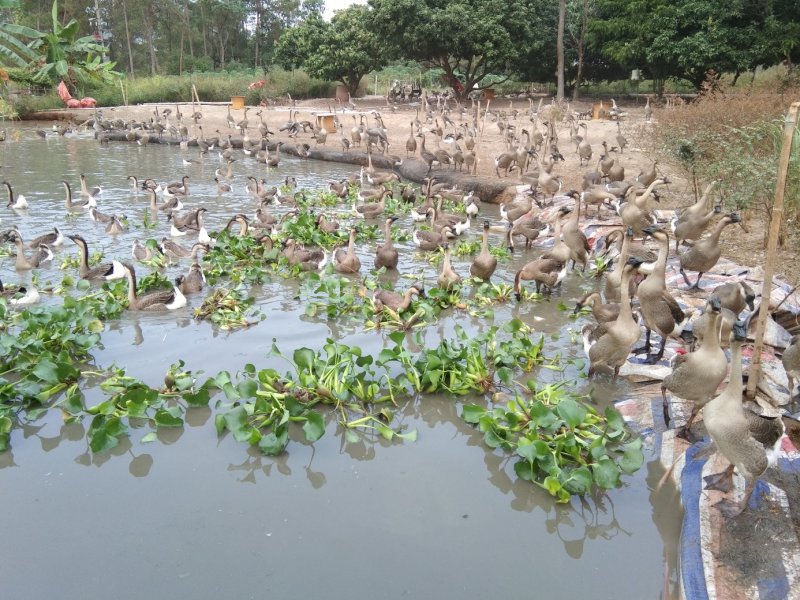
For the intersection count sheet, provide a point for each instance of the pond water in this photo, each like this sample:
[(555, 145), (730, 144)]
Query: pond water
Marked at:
[(192, 515)]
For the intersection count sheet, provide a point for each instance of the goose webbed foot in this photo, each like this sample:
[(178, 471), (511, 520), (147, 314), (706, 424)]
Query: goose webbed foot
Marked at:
[(722, 482), (653, 358), (729, 509), (641, 350), (686, 434)]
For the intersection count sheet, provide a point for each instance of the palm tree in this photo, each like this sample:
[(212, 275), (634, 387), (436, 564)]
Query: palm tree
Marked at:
[(14, 51)]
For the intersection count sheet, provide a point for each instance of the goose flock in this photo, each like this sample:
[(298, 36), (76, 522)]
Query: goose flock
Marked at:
[(547, 226)]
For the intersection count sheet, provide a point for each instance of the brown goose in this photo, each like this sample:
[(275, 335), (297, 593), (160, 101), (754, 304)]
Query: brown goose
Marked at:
[(560, 252), (705, 252), (346, 261), (108, 270), (545, 271), (611, 346), (735, 296), (635, 212), (661, 312), (307, 260), (393, 300), (691, 222), (430, 241), (326, 226), (52, 239), (372, 210), (448, 278), (484, 264), (26, 263), (193, 281), (574, 238), (613, 280), (152, 301), (696, 376), (386, 255), (603, 313)]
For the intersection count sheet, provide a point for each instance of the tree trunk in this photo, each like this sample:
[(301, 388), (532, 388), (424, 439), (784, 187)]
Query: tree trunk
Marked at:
[(581, 50), (127, 36), (562, 12), (148, 27)]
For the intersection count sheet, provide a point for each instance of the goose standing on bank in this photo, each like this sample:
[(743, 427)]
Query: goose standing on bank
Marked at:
[(660, 310), (729, 426), (791, 362), (697, 375), (107, 271), (484, 264), (152, 301), (705, 252)]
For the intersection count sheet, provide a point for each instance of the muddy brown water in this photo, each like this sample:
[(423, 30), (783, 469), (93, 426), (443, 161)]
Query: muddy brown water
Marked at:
[(191, 515)]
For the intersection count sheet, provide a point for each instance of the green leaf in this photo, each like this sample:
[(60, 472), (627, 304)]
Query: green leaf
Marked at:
[(578, 481), (614, 420), (150, 437), (274, 442), (632, 457), (169, 417), (304, 359), (472, 413), (571, 411), (104, 433), (314, 427), (605, 473)]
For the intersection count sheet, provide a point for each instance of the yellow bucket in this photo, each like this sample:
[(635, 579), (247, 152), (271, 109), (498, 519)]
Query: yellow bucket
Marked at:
[(237, 102)]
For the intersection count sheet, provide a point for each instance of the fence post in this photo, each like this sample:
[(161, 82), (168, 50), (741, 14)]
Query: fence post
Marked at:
[(789, 127)]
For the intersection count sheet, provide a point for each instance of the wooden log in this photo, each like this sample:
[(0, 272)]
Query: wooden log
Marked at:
[(495, 191)]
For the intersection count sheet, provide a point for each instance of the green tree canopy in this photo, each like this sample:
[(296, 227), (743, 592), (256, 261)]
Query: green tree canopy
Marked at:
[(468, 39), (343, 50)]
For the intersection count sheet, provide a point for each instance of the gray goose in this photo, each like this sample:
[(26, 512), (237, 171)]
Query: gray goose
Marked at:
[(730, 428), (326, 226), (394, 301), (71, 204), (608, 345), (52, 239), (484, 264), (696, 376), (107, 271), (705, 252), (141, 251), (386, 255), (347, 261), (791, 362), (152, 301), (172, 249)]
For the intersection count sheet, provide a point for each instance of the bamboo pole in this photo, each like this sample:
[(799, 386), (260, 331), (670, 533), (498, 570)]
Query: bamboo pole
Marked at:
[(789, 127)]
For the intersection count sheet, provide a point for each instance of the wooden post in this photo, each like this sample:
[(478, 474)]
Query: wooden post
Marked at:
[(789, 127)]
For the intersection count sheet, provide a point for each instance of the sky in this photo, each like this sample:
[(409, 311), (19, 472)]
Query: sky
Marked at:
[(332, 5)]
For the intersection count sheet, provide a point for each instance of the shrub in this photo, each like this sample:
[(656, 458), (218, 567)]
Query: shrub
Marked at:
[(733, 137)]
